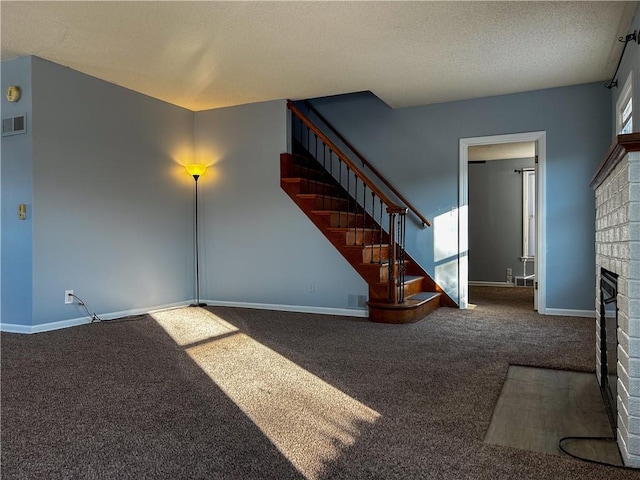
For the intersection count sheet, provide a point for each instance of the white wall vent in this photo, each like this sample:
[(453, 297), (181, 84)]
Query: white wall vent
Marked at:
[(14, 125)]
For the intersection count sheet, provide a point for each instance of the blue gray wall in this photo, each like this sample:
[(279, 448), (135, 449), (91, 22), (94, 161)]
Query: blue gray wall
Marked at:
[(110, 206), (495, 219), (259, 247), (16, 167), (111, 216), (417, 150)]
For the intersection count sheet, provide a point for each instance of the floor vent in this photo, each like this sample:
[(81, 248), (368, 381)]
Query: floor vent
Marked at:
[(356, 301)]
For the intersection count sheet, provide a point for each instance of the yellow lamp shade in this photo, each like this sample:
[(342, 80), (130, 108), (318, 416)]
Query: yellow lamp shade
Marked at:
[(196, 169)]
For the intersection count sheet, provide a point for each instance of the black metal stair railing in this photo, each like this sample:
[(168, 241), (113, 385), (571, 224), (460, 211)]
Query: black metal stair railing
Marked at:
[(352, 201)]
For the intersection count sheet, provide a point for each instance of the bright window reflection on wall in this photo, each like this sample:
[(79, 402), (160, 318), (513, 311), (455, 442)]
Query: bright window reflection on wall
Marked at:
[(624, 107), (445, 250)]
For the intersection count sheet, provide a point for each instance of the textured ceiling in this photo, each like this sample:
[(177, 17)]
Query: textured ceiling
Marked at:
[(202, 55)]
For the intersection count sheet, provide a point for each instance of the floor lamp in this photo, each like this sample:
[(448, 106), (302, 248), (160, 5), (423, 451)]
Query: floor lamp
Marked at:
[(196, 170)]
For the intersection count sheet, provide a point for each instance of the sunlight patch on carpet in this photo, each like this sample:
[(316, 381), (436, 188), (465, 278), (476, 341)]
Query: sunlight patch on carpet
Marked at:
[(309, 421), (192, 325)]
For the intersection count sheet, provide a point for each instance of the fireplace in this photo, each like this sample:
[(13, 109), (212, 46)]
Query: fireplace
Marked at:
[(609, 343), (617, 290)]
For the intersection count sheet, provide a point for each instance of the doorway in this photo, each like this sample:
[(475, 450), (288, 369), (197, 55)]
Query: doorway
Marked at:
[(538, 139)]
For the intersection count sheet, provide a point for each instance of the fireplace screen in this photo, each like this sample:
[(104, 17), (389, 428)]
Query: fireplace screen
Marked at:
[(609, 343)]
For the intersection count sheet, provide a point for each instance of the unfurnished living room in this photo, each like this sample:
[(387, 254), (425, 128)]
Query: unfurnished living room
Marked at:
[(317, 240)]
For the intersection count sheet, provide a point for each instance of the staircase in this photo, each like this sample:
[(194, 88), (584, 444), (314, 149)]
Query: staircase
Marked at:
[(360, 221)]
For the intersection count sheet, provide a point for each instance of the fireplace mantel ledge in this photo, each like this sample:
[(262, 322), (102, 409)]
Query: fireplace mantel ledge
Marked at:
[(617, 151)]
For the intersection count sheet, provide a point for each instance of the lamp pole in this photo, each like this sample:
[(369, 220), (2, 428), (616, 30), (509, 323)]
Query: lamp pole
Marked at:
[(195, 171)]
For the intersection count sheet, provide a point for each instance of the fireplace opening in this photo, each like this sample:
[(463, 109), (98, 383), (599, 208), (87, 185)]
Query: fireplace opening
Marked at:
[(609, 344)]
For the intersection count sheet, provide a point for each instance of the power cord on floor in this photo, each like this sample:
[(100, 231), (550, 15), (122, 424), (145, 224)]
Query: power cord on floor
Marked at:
[(563, 439), (94, 316)]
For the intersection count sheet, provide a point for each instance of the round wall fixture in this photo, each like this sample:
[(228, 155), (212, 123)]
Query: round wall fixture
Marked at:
[(13, 93)]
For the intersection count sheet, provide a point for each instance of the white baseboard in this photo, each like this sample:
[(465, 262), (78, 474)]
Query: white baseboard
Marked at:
[(570, 313), (347, 312), (490, 284), (74, 322), (14, 328)]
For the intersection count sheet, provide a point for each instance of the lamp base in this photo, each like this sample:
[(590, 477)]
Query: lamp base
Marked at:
[(198, 305)]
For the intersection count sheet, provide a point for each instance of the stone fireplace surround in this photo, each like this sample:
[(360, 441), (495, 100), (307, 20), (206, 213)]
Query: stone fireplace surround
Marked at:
[(617, 191)]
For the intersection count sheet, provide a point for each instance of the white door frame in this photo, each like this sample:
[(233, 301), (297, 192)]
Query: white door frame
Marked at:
[(540, 138)]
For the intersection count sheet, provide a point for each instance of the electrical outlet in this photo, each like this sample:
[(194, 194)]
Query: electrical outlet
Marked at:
[(312, 287), (509, 271), (68, 296)]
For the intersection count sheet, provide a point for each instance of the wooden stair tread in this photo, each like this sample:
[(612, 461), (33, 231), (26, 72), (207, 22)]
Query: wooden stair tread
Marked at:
[(424, 296), (411, 302), (353, 229), (301, 179), (319, 195), (383, 263), (369, 246), (326, 213), (407, 278)]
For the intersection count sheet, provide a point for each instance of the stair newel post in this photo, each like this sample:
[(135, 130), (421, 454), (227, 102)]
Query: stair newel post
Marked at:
[(393, 290), (401, 248), (397, 217)]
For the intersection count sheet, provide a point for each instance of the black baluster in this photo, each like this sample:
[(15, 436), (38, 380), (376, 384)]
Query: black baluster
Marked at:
[(348, 196), (391, 257), (380, 234), (403, 219), (324, 173), (308, 148), (331, 172), (364, 211), (396, 257), (310, 170), (355, 206), (339, 188), (373, 217)]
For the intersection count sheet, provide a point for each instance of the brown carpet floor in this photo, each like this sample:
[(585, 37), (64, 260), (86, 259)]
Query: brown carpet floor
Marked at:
[(124, 399)]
